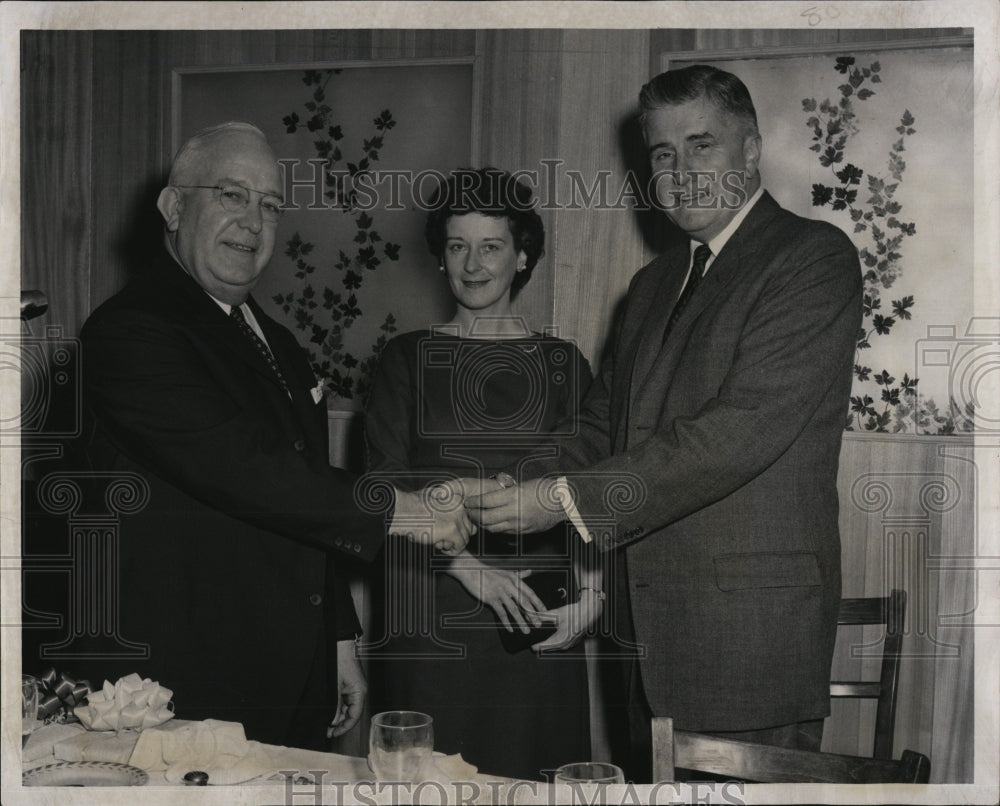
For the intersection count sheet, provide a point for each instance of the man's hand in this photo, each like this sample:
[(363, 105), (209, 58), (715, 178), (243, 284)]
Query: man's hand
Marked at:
[(531, 507), (351, 689), (511, 599), (435, 516), (574, 621)]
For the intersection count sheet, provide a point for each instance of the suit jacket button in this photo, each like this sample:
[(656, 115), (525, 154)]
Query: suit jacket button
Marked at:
[(300, 445), (315, 599)]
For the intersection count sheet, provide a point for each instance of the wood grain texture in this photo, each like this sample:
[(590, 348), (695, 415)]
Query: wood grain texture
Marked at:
[(56, 173), (596, 251), (907, 505)]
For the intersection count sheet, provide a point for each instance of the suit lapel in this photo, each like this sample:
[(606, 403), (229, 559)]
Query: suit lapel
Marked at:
[(295, 368), (202, 311), (738, 255), (650, 334)]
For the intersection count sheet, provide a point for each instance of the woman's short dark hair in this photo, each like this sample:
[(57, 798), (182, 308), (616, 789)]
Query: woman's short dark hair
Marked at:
[(494, 193), (723, 89)]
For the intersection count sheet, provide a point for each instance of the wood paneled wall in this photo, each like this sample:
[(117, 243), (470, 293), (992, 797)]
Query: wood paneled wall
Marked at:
[(96, 133), (908, 520)]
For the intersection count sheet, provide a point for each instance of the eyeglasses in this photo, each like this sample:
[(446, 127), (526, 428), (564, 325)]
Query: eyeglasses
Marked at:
[(236, 199)]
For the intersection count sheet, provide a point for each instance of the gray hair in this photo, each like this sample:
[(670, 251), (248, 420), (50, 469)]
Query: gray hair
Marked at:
[(183, 170), (723, 89)]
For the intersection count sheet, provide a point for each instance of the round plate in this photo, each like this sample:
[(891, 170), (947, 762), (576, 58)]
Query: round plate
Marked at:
[(84, 773)]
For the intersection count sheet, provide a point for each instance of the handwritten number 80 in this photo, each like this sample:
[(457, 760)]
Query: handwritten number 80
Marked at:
[(815, 14)]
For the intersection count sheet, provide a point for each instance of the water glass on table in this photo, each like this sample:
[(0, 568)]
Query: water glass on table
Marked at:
[(401, 742), (589, 772), (29, 706)]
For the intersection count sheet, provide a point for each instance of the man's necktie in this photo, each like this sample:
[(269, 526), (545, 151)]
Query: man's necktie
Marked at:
[(262, 348), (701, 256)]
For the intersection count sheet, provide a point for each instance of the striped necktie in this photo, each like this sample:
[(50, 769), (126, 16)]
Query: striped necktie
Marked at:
[(701, 256), (265, 353)]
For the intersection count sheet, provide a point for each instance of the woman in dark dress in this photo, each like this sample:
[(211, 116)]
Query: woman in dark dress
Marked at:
[(481, 394)]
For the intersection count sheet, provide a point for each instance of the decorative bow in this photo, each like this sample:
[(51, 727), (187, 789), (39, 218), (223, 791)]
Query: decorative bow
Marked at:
[(132, 702), (59, 694)]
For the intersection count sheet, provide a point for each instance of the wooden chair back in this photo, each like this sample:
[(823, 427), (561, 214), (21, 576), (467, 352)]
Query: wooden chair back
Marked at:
[(891, 611), (758, 763)]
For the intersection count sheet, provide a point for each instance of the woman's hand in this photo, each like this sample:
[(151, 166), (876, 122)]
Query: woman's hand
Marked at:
[(513, 601), (573, 621)]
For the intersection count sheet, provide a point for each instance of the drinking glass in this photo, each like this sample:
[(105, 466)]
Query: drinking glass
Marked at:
[(29, 706), (590, 772), (400, 743)]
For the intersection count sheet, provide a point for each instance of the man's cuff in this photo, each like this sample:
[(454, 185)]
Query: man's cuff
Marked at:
[(565, 497)]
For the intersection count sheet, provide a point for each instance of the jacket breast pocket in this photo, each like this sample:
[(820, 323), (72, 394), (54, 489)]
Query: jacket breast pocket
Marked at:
[(766, 569)]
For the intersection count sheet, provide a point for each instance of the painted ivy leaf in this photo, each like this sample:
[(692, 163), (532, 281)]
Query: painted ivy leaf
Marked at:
[(884, 378), (350, 362), (389, 325), (850, 174), (863, 373), (302, 319), (352, 280), (870, 303), (907, 119), (323, 148), (862, 405), (328, 298), (856, 79), (374, 237), (319, 95), (391, 250), (364, 221), (846, 90), (319, 334), (882, 421), (909, 385), (350, 308), (821, 195), (361, 236), (310, 77), (815, 147), (856, 214), (843, 63), (901, 307), (335, 133), (809, 105), (866, 255), (291, 123), (876, 79), (865, 93), (891, 396), (860, 227), (315, 123)]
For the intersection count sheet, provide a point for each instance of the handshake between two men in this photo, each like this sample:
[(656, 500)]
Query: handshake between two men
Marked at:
[(446, 514)]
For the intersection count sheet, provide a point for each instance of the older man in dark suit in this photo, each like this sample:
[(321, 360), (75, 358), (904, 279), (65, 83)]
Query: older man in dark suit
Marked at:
[(724, 400), (231, 573)]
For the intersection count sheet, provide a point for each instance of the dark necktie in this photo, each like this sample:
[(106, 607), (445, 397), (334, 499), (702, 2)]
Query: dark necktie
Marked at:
[(701, 256), (265, 353)]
